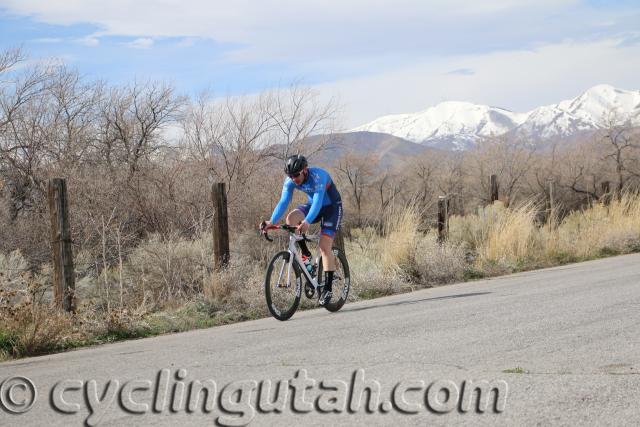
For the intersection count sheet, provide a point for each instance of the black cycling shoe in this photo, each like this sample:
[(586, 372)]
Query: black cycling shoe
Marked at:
[(325, 297)]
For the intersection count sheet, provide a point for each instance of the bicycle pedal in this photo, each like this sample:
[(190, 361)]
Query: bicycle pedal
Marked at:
[(309, 291)]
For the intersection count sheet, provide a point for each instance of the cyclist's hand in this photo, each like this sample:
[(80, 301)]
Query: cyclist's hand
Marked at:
[(303, 227), (264, 225)]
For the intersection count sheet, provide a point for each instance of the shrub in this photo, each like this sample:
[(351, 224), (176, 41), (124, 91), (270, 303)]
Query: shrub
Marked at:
[(166, 270), (601, 229), (28, 323), (438, 263), (396, 250)]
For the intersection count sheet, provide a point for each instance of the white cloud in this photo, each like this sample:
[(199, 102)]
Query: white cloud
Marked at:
[(222, 17), (462, 72), (187, 42), (276, 30), (403, 56), (88, 41), (48, 40), (140, 43)]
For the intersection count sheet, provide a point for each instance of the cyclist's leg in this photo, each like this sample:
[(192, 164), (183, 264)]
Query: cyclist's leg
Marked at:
[(331, 217), (294, 218), (328, 261), (330, 223), (329, 266)]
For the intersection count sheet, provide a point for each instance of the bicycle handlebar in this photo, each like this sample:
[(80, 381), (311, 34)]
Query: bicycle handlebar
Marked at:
[(289, 228)]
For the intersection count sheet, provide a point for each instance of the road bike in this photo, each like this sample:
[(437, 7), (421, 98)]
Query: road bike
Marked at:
[(283, 281)]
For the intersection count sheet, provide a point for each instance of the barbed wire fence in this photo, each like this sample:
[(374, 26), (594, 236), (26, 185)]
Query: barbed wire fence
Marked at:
[(242, 240)]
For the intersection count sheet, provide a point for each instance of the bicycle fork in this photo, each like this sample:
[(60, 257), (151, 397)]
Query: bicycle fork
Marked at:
[(289, 266)]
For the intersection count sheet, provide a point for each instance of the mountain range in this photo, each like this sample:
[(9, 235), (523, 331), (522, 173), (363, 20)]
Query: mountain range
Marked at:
[(457, 125), (385, 150)]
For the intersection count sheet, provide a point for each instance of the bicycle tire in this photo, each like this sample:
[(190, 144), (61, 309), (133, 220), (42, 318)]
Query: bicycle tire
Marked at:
[(282, 313), (345, 280)]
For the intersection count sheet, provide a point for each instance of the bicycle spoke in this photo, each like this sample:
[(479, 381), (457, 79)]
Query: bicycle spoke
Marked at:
[(340, 285), (281, 271), (282, 289)]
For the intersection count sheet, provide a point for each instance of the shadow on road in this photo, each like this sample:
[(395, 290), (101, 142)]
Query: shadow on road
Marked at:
[(470, 294)]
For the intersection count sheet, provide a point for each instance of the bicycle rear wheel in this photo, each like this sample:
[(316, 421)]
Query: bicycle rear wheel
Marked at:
[(341, 281), (282, 286)]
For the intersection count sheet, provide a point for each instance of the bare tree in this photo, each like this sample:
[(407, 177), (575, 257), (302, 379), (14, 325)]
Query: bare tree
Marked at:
[(451, 180), (73, 109), (580, 168), (508, 158), (545, 168), (132, 119), (357, 170), (24, 124), (227, 136), (388, 186), (423, 171), (9, 58), (298, 114), (621, 148)]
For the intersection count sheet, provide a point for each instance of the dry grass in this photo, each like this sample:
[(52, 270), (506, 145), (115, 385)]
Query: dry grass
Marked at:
[(28, 324), (440, 263), (599, 230), (509, 239), (397, 248), (163, 270), (11, 267), (167, 285), (473, 230), (383, 265), (512, 238), (368, 276), (403, 258), (501, 238), (238, 287)]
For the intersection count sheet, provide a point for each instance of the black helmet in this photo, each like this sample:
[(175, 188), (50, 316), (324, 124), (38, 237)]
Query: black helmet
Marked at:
[(294, 164)]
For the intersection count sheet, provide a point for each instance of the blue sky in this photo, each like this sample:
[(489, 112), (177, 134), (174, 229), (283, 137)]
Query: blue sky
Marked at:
[(377, 57)]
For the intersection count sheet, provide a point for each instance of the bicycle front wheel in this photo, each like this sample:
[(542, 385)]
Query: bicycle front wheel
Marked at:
[(282, 286)]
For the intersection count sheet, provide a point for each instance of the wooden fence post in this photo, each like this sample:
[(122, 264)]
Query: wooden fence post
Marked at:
[(443, 218), (220, 226), (493, 183), (62, 254)]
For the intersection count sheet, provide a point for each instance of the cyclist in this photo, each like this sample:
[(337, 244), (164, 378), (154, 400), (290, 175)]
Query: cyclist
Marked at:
[(324, 205)]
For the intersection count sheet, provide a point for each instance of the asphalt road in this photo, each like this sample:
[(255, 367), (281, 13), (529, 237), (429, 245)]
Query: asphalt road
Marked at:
[(563, 343)]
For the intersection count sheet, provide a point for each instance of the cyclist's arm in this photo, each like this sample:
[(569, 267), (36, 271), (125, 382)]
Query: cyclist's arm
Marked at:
[(285, 199)]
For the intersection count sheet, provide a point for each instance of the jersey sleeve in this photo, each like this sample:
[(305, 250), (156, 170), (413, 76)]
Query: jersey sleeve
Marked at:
[(285, 199), (320, 187)]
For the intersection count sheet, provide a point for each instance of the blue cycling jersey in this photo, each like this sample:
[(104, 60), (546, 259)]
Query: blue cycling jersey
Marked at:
[(320, 191)]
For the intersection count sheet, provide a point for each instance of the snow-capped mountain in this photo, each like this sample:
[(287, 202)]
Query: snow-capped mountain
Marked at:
[(589, 111), (449, 124), (459, 125)]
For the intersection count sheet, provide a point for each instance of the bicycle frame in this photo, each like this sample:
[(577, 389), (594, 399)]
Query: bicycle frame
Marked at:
[(294, 256), (293, 238)]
